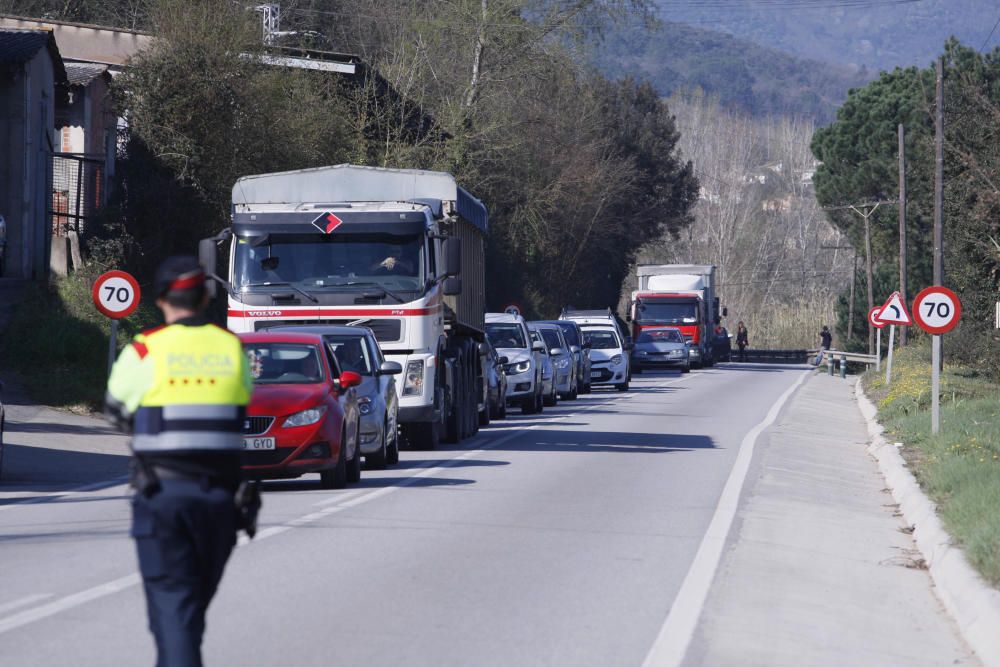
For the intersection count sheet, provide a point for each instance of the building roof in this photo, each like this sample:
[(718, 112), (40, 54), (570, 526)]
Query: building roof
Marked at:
[(81, 74), (18, 46)]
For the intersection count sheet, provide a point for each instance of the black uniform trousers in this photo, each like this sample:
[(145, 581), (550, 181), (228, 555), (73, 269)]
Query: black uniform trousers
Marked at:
[(184, 533)]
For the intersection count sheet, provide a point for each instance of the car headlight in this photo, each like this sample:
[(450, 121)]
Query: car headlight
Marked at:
[(642, 353), (562, 364), (306, 417), (365, 405), (519, 367), (615, 360), (413, 380)]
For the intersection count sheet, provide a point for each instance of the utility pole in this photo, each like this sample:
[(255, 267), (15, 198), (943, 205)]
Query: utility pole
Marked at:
[(866, 211), (939, 174), (902, 227)]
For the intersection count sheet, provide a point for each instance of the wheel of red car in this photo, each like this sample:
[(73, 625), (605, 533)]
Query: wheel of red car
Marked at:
[(336, 477)]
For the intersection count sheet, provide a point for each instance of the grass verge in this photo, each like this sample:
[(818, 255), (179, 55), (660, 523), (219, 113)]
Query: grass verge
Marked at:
[(57, 343), (960, 467)]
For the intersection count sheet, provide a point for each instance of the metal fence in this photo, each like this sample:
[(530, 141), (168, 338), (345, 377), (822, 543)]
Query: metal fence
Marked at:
[(78, 191)]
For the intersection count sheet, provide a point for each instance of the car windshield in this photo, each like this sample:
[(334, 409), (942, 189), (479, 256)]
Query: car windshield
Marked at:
[(505, 334), (284, 363), (667, 313), (569, 332), (661, 336), (351, 352), (551, 337), (601, 339), (321, 262)]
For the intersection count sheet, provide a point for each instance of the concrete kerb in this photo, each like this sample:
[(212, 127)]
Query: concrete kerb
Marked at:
[(973, 603)]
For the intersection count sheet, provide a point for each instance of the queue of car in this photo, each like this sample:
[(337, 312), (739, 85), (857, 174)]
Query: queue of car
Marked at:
[(326, 398)]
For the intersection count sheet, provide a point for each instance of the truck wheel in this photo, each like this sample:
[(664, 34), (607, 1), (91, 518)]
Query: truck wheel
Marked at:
[(484, 415), (474, 389), (455, 424), (424, 435)]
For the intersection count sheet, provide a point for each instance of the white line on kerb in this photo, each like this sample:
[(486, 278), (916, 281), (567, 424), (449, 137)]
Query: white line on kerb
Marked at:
[(674, 637), (111, 587)]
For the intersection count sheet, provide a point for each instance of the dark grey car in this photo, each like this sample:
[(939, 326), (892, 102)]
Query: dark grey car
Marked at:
[(357, 350), (661, 347), (580, 349)]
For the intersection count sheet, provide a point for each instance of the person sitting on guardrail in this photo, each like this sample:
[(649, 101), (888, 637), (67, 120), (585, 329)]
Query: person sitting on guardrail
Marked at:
[(826, 340)]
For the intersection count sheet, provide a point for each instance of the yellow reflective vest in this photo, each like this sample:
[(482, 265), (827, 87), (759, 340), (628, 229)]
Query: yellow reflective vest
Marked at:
[(185, 387)]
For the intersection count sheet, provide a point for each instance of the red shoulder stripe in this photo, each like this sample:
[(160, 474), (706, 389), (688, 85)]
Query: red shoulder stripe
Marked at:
[(147, 332), (140, 349)]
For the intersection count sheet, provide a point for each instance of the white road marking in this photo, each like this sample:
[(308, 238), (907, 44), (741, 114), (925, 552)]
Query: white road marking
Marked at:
[(23, 602), (672, 642), (68, 602), (50, 496), (112, 587)]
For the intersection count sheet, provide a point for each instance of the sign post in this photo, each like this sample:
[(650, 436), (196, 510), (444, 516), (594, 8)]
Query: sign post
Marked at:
[(878, 324), (116, 295), (937, 310), (893, 312)]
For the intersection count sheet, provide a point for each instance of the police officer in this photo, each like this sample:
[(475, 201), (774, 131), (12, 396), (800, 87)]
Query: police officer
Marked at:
[(183, 388)]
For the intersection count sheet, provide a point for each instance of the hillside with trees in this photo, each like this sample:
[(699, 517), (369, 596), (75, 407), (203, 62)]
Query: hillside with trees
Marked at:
[(873, 34), (742, 74)]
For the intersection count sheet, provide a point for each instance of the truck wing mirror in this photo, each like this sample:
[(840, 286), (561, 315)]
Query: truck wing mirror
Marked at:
[(208, 258), (452, 256), (452, 286)]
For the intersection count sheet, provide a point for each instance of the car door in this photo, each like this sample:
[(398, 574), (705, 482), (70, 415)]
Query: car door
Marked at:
[(386, 383)]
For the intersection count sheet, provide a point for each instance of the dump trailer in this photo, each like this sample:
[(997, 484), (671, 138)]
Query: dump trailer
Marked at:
[(682, 296), (400, 251)]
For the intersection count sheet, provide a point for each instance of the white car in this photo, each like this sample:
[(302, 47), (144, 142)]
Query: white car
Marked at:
[(508, 334), (608, 356)]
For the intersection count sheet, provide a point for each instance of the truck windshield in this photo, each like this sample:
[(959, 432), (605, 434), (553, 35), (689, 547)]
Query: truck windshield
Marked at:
[(315, 262), (665, 312), (504, 335)]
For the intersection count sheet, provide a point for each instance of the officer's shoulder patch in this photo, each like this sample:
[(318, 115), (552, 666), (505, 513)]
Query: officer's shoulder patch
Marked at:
[(149, 332), (140, 348)]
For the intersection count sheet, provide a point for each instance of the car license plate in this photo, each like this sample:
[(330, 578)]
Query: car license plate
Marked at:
[(252, 444), (595, 374)]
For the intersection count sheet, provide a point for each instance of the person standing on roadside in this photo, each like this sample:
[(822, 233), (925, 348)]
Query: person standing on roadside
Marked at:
[(742, 340), (182, 389), (826, 340)]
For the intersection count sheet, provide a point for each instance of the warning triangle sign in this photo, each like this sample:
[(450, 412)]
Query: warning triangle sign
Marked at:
[(894, 311)]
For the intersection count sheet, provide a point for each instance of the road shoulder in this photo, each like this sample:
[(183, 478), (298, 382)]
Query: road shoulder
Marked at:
[(821, 569)]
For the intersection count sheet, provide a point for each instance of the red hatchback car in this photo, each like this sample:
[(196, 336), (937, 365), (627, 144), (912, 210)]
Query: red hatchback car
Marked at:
[(303, 416)]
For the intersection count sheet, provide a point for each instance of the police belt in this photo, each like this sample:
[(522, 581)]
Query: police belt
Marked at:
[(164, 473)]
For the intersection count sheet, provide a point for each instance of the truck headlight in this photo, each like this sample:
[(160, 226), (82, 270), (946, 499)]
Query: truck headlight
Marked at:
[(615, 360), (413, 380), (306, 417)]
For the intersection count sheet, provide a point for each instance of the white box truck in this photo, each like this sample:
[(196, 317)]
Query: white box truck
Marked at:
[(400, 251)]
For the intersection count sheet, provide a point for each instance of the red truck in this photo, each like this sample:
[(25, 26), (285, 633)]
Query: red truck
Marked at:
[(682, 296)]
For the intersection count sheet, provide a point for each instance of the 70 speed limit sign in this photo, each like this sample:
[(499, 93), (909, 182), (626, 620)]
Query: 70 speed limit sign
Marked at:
[(937, 310), (116, 294)]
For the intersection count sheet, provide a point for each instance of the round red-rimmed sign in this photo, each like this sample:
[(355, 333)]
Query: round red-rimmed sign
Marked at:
[(116, 294), (937, 309), (873, 318)]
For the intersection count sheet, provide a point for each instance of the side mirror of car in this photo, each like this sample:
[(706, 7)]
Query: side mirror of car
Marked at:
[(390, 368), (688, 343), (575, 349), (350, 379), (503, 361), (538, 347), (555, 352)]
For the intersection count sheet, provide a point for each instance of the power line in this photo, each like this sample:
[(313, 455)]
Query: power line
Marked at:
[(990, 35)]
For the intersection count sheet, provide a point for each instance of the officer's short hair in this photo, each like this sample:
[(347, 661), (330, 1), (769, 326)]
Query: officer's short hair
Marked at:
[(180, 281)]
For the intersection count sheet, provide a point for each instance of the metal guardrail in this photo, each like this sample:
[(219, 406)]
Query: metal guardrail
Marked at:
[(842, 357)]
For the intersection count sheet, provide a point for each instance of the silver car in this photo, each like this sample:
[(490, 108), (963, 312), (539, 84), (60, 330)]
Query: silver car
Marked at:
[(562, 358), (661, 347), (357, 350)]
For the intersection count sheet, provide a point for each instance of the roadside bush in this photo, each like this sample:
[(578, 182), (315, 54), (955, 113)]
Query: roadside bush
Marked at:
[(57, 343)]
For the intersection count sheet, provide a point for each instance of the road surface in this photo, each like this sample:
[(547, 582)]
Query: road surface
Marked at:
[(555, 539)]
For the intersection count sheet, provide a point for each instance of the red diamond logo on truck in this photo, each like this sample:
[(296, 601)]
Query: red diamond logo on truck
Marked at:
[(327, 222)]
